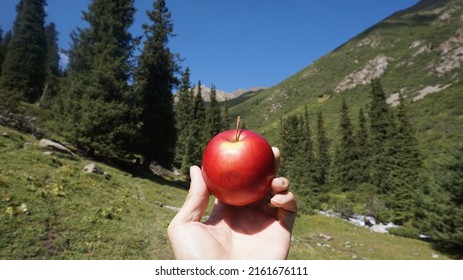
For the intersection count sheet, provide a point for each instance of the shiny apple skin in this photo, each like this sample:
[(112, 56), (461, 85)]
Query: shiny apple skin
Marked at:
[(238, 172)]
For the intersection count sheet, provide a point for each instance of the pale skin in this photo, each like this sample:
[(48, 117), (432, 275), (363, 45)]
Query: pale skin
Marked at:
[(261, 230)]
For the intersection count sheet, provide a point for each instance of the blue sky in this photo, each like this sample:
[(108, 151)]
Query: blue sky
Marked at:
[(241, 43)]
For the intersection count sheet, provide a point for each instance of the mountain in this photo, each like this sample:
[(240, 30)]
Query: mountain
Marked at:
[(222, 95), (417, 52)]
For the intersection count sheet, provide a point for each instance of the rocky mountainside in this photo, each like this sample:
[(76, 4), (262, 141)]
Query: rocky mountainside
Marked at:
[(222, 95), (417, 52)]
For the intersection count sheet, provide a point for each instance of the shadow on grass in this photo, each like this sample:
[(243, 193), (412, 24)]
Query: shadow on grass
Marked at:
[(139, 171)]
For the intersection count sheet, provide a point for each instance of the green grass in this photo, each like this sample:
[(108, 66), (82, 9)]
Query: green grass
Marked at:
[(50, 209), (350, 242)]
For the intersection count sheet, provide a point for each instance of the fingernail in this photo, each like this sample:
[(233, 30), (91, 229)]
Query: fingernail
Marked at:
[(281, 182), (276, 199)]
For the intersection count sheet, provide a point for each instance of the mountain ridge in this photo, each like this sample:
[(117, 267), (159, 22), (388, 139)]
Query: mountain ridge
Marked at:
[(417, 52)]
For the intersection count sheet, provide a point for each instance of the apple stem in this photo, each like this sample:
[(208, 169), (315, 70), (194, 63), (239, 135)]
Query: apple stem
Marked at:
[(237, 129)]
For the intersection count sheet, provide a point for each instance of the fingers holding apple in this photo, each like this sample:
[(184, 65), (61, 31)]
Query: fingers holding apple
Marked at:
[(282, 198), (284, 201)]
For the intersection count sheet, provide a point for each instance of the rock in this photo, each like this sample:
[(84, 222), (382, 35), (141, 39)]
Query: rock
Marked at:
[(373, 69), (380, 228), (325, 237), (46, 143), (93, 168)]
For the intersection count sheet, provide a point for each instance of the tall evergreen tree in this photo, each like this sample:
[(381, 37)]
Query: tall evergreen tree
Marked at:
[(441, 210), (213, 122), (95, 114), (197, 142), (52, 68), (345, 157), (24, 63), (309, 175), (291, 145), (323, 158), (155, 79), (183, 119), (380, 120), (226, 116), (298, 163), (361, 149), (404, 166)]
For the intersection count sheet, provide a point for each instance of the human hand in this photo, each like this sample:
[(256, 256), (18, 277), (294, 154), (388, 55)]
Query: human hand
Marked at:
[(261, 230)]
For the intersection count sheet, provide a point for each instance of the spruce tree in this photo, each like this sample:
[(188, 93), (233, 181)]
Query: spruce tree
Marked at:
[(361, 149), (94, 111), (323, 160), (155, 79), (52, 68), (309, 175), (183, 120), (226, 116), (213, 122), (291, 145), (440, 210), (24, 63), (404, 166), (380, 121), (197, 142), (298, 162), (345, 157)]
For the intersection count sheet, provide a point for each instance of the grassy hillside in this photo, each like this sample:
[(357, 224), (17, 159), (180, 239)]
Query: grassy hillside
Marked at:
[(51, 209)]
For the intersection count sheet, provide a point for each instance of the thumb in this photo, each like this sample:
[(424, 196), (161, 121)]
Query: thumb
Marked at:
[(197, 200)]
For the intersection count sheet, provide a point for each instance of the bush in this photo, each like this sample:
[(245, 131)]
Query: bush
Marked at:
[(342, 205), (405, 231)]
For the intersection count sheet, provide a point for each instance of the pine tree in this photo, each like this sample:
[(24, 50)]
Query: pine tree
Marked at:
[(213, 122), (183, 120), (226, 116), (24, 63), (404, 166), (52, 68), (94, 111), (361, 150), (297, 147), (380, 121), (309, 175), (345, 157), (155, 79), (291, 145), (323, 160), (197, 142), (440, 212)]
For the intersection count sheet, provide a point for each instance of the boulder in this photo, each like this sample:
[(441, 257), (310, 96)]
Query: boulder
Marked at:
[(379, 228), (49, 144), (93, 168), (325, 237)]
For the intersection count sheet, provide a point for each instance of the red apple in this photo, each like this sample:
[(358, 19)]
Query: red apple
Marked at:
[(238, 166)]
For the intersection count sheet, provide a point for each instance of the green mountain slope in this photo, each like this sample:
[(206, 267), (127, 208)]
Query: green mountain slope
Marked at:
[(417, 52)]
